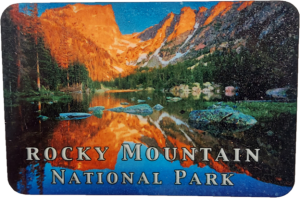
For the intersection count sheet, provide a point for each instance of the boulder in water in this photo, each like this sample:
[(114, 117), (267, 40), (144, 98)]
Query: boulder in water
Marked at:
[(142, 109), (43, 118), (175, 99), (98, 114), (158, 107), (277, 92), (97, 108), (270, 133), (116, 109), (141, 101), (220, 118), (73, 116)]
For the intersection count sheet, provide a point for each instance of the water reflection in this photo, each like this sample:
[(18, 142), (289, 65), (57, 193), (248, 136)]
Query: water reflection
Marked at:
[(166, 128)]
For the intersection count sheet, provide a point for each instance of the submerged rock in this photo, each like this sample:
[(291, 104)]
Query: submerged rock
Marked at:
[(98, 114), (73, 116), (142, 109), (173, 99), (270, 133), (97, 108), (158, 107), (140, 101), (124, 103), (221, 118), (116, 109), (277, 92), (43, 118)]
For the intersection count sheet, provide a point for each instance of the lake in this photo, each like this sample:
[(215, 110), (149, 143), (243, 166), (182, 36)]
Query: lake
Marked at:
[(272, 175)]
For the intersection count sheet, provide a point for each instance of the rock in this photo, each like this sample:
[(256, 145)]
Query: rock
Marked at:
[(148, 98), (97, 111), (196, 84), (230, 91), (73, 116), (140, 101), (98, 114), (97, 108), (158, 107), (142, 109), (214, 117), (174, 89), (277, 92), (43, 118), (206, 90), (149, 89), (196, 89), (270, 133), (174, 99), (206, 84), (124, 103), (116, 109), (210, 88), (181, 88)]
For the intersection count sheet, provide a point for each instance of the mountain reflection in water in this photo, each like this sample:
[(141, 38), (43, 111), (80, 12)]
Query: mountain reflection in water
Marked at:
[(165, 128)]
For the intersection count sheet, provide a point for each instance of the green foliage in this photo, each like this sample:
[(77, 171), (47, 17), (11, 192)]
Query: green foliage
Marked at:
[(159, 78), (217, 25)]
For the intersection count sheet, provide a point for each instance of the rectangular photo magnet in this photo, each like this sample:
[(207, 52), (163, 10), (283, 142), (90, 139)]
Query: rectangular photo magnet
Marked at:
[(151, 98)]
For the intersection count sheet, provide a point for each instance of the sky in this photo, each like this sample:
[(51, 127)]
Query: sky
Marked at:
[(136, 17)]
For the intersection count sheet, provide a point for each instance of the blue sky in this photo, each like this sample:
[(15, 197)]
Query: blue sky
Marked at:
[(136, 17)]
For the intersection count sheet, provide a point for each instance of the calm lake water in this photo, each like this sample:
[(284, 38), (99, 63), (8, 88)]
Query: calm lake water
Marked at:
[(273, 175)]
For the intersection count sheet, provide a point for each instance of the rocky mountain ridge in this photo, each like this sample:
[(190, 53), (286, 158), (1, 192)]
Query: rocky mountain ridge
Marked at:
[(89, 34)]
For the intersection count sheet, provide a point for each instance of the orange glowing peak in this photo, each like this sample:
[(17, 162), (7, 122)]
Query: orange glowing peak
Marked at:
[(244, 5), (202, 9), (186, 22), (220, 8)]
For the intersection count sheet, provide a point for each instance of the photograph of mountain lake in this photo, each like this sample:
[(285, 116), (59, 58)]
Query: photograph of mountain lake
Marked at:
[(183, 98)]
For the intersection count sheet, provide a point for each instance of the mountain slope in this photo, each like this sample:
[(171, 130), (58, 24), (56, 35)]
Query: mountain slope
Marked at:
[(89, 34)]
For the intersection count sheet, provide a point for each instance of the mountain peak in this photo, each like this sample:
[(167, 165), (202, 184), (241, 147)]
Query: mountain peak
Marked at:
[(186, 22), (220, 9), (244, 5), (186, 9), (202, 9)]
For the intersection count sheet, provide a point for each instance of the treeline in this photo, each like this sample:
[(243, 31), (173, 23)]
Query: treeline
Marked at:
[(28, 67), (258, 70)]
